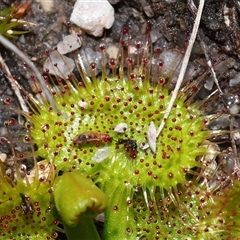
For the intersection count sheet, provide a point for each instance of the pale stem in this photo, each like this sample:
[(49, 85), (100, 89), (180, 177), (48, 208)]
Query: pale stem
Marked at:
[(184, 65)]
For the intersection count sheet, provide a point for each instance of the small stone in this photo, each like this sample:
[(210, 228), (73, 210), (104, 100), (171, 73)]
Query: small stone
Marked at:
[(3, 157), (229, 100), (209, 84), (235, 81), (148, 10), (120, 128), (93, 16), (64, 65), (234, 109), (236, 136), (100, 217), (112, 52), (88, 56), (101, 154), (69, 43), (114, 1), (47, 6)]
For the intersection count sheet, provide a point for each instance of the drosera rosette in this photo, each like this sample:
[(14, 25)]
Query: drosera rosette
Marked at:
[(26, 204), (129, 96), (105, 128), (74, 212)]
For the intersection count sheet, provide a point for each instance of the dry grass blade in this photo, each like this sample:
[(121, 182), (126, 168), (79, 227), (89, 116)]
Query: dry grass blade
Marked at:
[(184, 65), (14, 84), (20, 54)]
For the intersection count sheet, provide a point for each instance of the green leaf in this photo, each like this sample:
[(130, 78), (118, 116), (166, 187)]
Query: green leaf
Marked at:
[(75, 194), (8, 22), (85, 229), (7, 11)]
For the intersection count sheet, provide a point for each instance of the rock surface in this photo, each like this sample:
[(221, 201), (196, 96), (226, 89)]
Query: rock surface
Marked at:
[(93, 16)]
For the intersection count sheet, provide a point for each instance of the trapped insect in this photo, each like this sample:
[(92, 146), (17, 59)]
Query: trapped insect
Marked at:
[(26, 206), (92, 137), (130, 146)]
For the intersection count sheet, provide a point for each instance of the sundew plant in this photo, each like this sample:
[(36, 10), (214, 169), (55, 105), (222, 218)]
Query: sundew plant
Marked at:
[(97, 148)]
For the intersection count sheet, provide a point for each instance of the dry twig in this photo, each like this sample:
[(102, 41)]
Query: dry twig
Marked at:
[(184, 65), (14, 84), (20, 54)]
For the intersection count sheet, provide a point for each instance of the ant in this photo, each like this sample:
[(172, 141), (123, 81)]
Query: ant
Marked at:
[(130, 146)]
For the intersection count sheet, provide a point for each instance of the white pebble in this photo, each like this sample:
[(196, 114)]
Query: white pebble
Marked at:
[(93, 16), (3, 157), (69, 43), (209, 84), (100, 217), (235, 81), (101, 154), (171, 62), (234, 109), (120, 128), (114, 1), (112, 52), (148, 10), (236, 136), (47, 6), (155, 35), (64, 66)]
